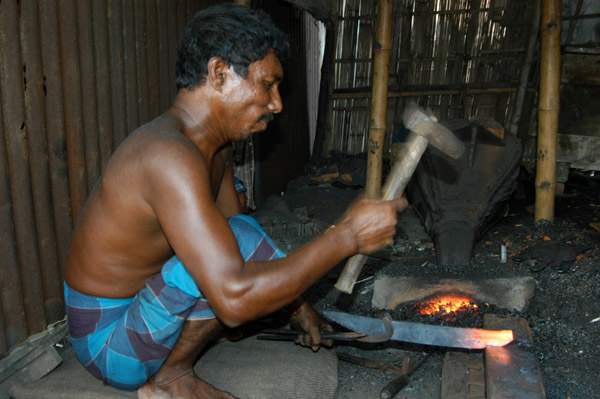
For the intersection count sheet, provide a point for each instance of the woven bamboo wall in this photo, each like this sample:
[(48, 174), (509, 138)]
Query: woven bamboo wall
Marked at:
[(459, 58)]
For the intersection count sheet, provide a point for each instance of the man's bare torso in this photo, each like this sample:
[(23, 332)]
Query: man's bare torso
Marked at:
[(118, 241)]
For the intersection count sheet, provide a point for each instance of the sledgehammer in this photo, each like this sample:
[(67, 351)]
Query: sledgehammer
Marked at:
[(424, 130)]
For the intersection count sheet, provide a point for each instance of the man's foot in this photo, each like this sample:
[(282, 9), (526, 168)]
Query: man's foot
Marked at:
[(185, 386)]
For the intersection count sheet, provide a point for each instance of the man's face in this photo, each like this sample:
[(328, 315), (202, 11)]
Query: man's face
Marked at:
[(253, 101)]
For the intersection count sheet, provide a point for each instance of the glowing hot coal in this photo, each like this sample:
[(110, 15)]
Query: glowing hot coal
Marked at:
[(447, 304)]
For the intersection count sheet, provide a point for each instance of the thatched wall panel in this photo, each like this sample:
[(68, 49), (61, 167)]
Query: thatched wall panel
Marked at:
[(445, 54)]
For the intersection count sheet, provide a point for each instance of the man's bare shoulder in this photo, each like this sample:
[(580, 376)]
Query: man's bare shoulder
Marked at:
[(157, 147)]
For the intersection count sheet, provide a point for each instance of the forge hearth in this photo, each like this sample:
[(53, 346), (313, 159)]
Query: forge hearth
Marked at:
[(505, 293), (508, 372)]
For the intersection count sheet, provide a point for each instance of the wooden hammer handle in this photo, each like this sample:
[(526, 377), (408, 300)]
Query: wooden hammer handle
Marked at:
[(395, 184)]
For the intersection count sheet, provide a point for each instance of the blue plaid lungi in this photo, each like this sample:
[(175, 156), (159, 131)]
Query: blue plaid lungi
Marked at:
[(124, 341)]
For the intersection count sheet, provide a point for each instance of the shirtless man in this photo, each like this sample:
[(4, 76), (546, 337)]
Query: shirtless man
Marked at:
[(138, 318)]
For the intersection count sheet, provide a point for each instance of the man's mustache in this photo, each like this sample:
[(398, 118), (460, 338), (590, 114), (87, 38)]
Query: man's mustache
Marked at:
[(269, 117)]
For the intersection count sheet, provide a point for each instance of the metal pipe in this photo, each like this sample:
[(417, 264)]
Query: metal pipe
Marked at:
[(379, 104), (71, 88), (88, 90), (15, 130), (38, 148), (549, 106), (103, 83), (55, 129)]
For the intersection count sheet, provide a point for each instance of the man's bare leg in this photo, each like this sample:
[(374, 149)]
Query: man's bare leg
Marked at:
[(176, 377)]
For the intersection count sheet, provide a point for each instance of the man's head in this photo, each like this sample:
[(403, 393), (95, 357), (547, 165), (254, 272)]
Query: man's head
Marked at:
[(235, 33)]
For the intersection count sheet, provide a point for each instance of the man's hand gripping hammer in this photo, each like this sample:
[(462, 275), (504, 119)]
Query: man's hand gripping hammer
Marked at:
[(424, 130)]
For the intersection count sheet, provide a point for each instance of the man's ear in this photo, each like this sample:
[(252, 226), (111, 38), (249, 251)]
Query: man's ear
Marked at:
[(217, 69)]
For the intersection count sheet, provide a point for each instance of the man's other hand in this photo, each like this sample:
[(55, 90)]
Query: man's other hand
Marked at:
[(305, 318)]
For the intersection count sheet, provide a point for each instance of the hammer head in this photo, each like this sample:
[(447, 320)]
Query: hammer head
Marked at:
[(418, 122)]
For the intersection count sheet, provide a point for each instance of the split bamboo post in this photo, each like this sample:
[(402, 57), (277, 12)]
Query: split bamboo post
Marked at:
[(549, 105), (381, 63)]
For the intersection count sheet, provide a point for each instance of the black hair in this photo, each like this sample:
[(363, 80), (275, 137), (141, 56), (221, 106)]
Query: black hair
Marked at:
[(236, 33)]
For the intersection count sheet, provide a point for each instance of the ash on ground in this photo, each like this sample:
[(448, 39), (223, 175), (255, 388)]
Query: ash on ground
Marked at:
[(563, 313)]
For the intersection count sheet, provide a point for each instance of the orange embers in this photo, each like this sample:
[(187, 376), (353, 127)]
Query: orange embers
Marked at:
[(446, 304)]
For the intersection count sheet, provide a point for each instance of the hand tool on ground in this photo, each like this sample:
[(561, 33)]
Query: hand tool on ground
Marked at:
[(392, 388), (424, 129), (424, 334), (290, 335)]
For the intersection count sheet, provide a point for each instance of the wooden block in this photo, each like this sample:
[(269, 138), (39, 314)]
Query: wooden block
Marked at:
[(512, 371), (454, 375), (476, 378), (463, 376)]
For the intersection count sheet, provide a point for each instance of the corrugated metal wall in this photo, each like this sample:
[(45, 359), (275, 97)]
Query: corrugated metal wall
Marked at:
[(76, 77)]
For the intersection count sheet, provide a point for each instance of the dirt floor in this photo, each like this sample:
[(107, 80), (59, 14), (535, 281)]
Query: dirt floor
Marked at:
[(563, 257)]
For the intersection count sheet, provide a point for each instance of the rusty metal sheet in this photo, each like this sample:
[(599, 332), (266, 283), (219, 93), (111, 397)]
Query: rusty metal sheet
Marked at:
[(115, 39), (130, 66), (71, 87), (163, 53), (103, 83), (38, 147), (12, 311), (153, 60), (88, 92), (15, 131), (142, 62), (172, 38), (512, 371), (55, 127)]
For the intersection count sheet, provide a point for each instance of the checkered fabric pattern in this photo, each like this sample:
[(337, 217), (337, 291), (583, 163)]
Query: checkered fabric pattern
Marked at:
[(124, 341)]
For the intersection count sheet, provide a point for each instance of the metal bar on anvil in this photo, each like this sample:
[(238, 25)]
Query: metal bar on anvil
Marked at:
[(424, 334), (512, 371)]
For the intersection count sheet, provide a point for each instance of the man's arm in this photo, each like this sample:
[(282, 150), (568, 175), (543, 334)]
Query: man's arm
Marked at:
[(201, 237)]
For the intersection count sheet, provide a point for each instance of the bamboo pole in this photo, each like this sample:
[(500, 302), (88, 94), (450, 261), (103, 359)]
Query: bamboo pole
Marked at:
[(379, 104), (549, 105)]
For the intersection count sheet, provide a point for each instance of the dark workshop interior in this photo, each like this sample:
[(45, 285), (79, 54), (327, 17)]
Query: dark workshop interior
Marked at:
[(501, 235)]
